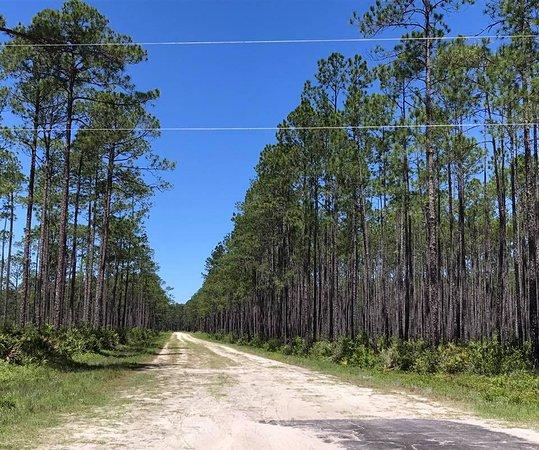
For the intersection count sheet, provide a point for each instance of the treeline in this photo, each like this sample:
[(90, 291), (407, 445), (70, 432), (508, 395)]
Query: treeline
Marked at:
[(399, 200), (77, 173)]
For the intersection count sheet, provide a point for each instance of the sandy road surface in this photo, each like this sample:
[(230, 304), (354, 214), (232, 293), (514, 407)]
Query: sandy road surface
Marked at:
[(210, 396)]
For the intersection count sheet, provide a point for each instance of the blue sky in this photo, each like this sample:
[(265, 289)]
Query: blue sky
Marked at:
[(220, 86)]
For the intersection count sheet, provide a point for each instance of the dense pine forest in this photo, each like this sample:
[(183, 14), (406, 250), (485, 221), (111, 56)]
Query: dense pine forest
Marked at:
[(401, 197), (77, 174)]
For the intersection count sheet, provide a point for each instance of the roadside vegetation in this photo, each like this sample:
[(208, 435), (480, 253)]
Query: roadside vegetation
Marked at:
[(47, 373), (488, 378)]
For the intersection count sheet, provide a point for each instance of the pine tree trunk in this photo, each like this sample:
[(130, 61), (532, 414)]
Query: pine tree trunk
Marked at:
[(25, 301), (100, 285), (73, 314), (64, 212)]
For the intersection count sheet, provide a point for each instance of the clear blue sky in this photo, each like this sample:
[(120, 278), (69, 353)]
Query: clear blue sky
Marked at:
[(220, 86)]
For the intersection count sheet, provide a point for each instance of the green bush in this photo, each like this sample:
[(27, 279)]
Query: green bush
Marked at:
[(76, 340), (243, 340), (272, 345), (485, 357), (321, 349), (343, 350), (108, 339), (136, 337), (365, 357), (517, 359), (85, 339), (257, 341), (300, 347), (46, 344), (229, 338), (388, 358), (8, 347), (218, 335), (28, 345), (286, 349), (426, 361), (399, 355), (489, 357), (453, 358)]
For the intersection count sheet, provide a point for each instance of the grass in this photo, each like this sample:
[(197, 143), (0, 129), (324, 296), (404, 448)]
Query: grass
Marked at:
[(512, 398), (205, 357), (220, 382), (33, 397)]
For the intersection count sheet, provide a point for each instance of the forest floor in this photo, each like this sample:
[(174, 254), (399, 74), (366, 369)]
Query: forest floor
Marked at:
[(207, 395)]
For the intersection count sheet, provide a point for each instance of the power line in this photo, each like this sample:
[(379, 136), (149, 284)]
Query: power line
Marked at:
[(291, 128), (275, 41)]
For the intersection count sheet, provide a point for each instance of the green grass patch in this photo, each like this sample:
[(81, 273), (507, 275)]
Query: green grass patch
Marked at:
[(203, 356), (36, 396), (513, 397)]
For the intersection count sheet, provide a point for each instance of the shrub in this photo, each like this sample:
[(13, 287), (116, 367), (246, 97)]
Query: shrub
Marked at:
[(256, 341), (229, 338), (77, 340), (517, 359), (425, 361), (399, 355), (321, 349), (362, 339), (243, 340), (409, 355), (46, 344), (218, 335), (300, 346), (36, 347), (108, 339), (485, 357), (8, 347), (272, 345), (138, 337), (28, 345), (388, 358), (382, 344), (365, 357), (343, 350), (286, 349), (453, 358), (488, 357)]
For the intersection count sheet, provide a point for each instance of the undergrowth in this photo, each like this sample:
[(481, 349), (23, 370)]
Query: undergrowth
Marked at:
[(46, 345), (489, 357)]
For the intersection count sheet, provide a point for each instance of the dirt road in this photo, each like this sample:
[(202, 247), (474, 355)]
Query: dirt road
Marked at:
[(210, 396)]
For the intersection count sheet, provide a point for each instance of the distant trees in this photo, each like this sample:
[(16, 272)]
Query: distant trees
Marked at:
[(425, 228), (85, 135)]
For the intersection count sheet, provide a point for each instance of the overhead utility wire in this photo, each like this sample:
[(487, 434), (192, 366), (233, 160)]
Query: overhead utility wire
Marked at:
[(275, 41), (293, 128)]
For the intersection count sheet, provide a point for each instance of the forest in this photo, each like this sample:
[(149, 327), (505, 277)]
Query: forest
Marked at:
[(400, 200), (378, 286), (77, 176)]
